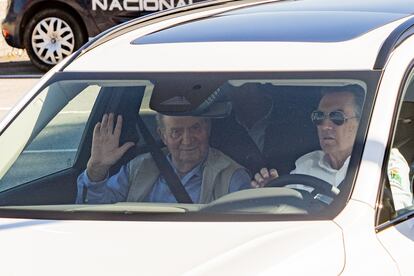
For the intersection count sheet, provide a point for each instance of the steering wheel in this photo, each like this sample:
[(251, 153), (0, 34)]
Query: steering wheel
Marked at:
[(320, 186)]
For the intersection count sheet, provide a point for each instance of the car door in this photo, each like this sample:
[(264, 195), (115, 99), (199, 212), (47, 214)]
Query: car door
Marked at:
[(395, 210)]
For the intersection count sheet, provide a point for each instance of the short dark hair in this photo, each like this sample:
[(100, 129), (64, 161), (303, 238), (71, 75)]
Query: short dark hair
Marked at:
[(354, 89)]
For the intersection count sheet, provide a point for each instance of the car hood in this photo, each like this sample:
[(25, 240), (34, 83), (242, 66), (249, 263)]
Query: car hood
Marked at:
[(41, 247)]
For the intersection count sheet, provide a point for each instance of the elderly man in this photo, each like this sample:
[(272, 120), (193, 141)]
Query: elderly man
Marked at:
[(337, 119), (205, 172)]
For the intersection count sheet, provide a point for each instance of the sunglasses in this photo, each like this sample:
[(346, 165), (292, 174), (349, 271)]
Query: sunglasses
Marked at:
[(337, 117)]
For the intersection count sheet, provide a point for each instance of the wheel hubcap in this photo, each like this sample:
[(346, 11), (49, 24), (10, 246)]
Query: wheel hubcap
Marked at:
[(52, 40)]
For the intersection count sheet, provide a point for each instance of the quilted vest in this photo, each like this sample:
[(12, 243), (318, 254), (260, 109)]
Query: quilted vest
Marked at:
[(217, 172)]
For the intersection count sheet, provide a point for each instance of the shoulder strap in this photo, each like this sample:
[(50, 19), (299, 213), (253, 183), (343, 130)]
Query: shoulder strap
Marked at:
[(173, 182)]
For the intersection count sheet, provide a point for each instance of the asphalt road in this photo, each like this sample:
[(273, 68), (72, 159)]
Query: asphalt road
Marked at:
[(12, 90), (17, 65), (17, 76), (55, 148)]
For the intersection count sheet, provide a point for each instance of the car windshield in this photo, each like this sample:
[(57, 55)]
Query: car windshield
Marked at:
[(201, 143)]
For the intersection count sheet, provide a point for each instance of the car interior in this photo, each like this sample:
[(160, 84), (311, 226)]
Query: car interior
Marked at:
[(289, 135)]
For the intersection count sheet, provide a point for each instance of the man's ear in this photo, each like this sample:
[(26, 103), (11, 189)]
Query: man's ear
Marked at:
[(161, 133)]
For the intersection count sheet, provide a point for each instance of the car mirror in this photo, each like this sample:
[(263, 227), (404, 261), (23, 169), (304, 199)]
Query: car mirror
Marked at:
[(217, 110), (186, 97)]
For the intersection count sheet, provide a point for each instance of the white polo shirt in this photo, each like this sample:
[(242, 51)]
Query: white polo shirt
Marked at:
[(315, 164)]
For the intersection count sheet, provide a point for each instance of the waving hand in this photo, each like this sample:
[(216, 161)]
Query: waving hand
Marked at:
[(105, 147)]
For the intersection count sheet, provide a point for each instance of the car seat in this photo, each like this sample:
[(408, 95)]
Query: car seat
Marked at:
[(289, 135)]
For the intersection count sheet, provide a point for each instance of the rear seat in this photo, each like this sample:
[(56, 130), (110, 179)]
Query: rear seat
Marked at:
[(291, 131)]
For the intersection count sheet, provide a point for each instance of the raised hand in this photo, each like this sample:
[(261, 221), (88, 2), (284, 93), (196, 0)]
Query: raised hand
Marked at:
[(105, 147), (263, 177)]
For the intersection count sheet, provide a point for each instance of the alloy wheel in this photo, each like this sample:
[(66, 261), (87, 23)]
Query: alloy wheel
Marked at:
[(52, 40)]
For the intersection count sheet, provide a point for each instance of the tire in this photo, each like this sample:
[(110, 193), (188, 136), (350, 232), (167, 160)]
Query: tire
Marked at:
[(50, 36)]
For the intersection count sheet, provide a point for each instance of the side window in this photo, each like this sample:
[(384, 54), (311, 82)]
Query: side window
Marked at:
[(399, 183), (55, 147)]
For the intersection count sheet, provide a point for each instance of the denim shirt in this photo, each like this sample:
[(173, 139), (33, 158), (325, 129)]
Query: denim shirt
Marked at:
[(115, 188)]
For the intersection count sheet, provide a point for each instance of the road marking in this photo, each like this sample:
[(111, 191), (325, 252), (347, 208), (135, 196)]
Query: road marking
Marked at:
[(50, 151), (63, 112), (20, 76), (75, 112)]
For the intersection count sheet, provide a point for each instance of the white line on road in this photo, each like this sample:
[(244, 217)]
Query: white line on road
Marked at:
[(50, 151), (75, 112), (63, 112), (31, 76)]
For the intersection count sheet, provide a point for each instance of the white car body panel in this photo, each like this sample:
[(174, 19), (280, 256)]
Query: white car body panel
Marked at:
[(370, 169), (232, 56), (170, 248), (364, 253), (398, 240)]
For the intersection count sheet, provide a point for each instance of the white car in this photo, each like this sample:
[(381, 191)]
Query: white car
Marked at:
[(289, 57)]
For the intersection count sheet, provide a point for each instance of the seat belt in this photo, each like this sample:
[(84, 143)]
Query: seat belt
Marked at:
[(173, 182)]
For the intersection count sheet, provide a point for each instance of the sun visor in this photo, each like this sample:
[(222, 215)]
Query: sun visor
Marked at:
[(189, 97)]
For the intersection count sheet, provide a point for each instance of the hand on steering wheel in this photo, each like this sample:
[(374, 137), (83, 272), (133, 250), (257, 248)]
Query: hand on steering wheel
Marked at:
[(320, 186)]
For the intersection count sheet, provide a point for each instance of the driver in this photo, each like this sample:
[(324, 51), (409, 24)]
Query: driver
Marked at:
[(205, 172), (336, 120)]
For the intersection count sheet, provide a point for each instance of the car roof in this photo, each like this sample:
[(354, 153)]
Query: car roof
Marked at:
[(256, 35), (303, 21)]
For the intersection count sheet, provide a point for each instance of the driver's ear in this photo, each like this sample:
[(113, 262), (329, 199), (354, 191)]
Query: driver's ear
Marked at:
[(161, 133)]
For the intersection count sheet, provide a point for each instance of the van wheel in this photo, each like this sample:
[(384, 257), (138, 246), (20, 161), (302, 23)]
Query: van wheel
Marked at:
[(50, 36)]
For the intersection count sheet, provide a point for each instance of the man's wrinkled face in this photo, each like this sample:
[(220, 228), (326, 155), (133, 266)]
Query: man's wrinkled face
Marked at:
[(186, 139), (338, 139)]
